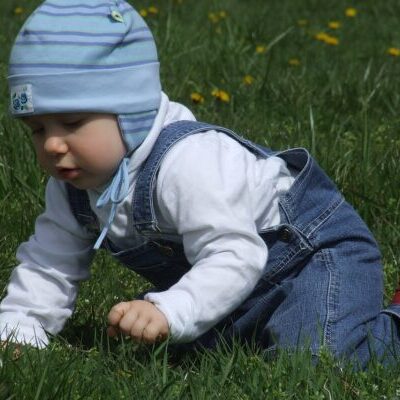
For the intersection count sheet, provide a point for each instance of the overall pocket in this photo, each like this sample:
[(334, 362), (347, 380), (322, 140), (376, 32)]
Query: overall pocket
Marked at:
[(287, 250), (162, 263)]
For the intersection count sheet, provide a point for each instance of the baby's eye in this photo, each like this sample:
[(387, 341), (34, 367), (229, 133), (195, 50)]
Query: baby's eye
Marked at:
[(37, 131), (73, 124)]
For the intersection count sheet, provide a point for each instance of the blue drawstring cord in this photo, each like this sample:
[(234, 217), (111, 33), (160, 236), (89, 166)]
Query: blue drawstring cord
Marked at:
[(115, 193)]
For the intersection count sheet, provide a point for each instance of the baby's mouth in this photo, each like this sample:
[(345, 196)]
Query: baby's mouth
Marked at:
[(68, 173)]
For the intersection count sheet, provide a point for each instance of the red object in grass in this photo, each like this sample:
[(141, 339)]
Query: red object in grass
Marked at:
[(396, 297)]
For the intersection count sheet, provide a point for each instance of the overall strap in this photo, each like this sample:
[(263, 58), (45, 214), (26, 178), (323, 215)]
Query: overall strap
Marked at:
[(144, 217), (80, 206)]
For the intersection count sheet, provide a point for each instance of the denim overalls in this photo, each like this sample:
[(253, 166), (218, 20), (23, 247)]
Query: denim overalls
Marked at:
[(322, 284)]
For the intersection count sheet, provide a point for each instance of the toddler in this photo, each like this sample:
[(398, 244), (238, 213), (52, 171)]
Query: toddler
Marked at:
[(239, 241)]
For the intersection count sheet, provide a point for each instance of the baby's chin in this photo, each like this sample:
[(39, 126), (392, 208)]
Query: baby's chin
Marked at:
[(99, 188), (83, 182)]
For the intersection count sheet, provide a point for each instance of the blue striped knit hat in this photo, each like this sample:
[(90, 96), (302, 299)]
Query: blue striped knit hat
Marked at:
[(88, 56)]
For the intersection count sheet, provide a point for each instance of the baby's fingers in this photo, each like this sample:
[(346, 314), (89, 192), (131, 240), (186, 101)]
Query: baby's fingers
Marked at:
[(112, 331), (117, 312), (154, 332)]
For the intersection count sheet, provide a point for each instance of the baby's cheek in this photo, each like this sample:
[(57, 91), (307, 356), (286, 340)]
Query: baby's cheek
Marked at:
[(43, 162), (107, 157)]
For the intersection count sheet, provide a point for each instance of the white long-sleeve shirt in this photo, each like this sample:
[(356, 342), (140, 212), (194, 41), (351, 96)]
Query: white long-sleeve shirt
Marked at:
[(210, 190)]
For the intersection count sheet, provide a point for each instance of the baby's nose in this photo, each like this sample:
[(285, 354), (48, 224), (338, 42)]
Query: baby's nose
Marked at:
[(55, 145)]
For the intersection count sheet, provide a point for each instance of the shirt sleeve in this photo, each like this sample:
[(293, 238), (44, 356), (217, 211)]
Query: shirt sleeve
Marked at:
[(42, 290), (204, 195)]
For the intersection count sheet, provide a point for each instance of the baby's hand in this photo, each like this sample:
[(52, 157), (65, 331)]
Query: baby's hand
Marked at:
[(140, 319)]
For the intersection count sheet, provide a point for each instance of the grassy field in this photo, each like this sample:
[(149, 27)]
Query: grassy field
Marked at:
[(323, 75)]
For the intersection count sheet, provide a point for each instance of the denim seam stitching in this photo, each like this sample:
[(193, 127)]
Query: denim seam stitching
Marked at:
[(307, 171), (323, 217), (331, 298), (289, 196), (284, 261)]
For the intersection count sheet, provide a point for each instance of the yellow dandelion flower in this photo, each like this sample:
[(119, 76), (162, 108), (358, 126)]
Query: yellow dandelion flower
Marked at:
[(328, 39), (152, 10), (260, 49), (294, 62), (321, 36), (224, 96), (197, 98), (248, 80), (221, 95), (213, 17), (394, 51), (18, 10), (333, 41), (302, 22), (143, 12), (350, 12), (222, 14), (334, 24)]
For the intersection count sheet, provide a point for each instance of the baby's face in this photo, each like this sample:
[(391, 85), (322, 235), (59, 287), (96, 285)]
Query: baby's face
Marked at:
[(82, 149)]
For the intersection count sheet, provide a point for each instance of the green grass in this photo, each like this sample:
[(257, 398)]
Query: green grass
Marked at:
[(342, 102)]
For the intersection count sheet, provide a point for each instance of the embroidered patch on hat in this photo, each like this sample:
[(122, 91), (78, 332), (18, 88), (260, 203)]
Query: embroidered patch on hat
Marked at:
[(21, 99)]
